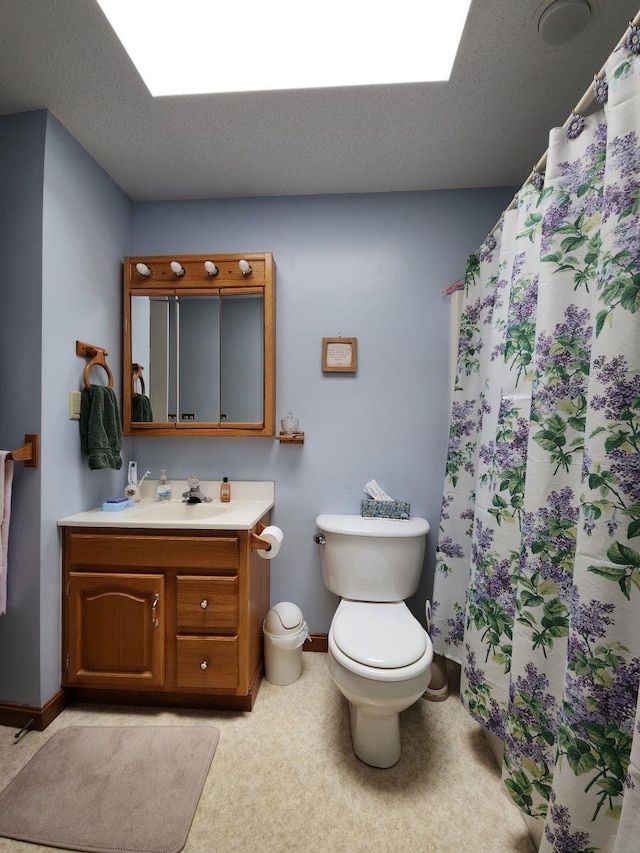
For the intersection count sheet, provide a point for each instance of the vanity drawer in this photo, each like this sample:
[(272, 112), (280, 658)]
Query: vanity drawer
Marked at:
[(207, 604), (88, 550), (207, 662)]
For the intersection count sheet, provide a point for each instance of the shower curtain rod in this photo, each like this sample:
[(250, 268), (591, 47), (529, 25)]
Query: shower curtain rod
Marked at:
[(583, 104)]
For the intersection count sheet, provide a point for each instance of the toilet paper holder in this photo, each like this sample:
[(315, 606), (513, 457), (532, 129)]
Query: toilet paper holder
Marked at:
[(258, 544)]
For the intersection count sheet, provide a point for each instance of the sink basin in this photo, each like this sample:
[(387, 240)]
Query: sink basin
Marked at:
[(179, 511)]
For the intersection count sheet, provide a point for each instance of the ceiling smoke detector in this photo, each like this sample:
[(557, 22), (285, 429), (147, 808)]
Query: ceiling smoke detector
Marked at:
[(563, 21)]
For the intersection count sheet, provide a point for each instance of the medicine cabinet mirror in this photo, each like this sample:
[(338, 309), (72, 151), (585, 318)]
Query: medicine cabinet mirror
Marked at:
[(199, 345)]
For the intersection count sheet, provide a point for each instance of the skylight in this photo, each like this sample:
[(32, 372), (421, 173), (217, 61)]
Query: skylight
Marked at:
[(188, 47)]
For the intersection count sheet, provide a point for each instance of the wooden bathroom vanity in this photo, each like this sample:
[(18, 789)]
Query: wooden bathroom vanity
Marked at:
[(164, 613)]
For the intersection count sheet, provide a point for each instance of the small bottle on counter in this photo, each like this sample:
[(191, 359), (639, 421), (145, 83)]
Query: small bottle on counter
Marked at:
[(163, 487), (225, 490)]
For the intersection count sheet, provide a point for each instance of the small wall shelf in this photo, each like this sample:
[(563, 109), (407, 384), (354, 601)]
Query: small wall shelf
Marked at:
[(296, 438)]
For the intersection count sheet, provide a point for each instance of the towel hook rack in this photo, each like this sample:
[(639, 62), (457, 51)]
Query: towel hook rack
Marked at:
[(97, 356), (137, 374), (29, 453)]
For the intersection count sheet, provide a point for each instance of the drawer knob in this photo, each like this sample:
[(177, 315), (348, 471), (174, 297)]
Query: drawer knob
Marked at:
[(204, 604), (204, 665)]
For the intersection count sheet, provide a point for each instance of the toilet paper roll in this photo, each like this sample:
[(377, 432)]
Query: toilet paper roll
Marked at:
[(274, 537)]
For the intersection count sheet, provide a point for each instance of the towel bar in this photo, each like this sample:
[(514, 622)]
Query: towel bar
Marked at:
[(29, 453)]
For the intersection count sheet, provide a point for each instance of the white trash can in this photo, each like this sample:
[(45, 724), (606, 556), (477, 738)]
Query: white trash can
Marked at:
[(284, 634)]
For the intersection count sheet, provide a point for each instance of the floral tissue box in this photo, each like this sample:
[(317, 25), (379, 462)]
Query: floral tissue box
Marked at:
[(385, 509)]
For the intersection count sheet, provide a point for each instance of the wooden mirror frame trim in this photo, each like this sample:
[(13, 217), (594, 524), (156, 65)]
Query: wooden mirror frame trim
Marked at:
[(196, 280)]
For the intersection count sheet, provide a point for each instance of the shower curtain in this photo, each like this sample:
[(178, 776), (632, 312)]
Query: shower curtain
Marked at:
[(537, 587)]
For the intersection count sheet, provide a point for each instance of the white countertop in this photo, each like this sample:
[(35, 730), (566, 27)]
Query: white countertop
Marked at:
[(250, 500)]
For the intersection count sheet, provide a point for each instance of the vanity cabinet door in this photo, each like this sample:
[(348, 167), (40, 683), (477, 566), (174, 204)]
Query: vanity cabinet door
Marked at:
[(117, 635)]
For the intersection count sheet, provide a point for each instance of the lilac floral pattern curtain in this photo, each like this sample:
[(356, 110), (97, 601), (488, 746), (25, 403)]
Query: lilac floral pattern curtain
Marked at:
[(537, 588)]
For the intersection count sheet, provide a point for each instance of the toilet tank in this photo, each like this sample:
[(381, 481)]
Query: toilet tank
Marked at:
[(372, 559)]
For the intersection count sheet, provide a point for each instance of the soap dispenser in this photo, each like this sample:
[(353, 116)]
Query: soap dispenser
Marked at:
[(225, 490), (163, 487)]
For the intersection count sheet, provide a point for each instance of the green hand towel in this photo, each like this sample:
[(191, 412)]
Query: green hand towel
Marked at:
[(100, 427), (141, 409)]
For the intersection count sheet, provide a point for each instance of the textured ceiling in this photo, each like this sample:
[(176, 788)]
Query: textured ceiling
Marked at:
[(486, 127)]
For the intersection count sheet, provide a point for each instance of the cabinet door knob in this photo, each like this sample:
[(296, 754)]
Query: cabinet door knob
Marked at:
[(204, 604), (204, 665)]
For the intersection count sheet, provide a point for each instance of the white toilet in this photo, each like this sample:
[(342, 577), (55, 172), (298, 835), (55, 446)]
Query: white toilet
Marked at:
[(379, 654)]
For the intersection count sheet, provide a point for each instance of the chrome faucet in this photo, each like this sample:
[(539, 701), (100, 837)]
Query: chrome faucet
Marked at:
[(194, 494)]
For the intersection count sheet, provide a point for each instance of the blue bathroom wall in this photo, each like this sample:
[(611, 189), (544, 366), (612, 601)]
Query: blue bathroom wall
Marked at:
[(365, 266), (22, 140), (64, 228), (85, 233)]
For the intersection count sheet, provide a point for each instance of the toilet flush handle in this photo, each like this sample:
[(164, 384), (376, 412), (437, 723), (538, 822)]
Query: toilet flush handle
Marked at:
[(319, 539)]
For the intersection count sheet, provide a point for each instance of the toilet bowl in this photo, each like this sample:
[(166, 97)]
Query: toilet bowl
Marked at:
[(380, 660)]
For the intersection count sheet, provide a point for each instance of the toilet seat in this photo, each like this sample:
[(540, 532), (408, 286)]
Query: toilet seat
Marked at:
[(382, 635), (383, 641)]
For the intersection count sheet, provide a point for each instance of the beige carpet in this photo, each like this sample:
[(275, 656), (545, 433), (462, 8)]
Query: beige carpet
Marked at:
[(285, 779), (109, 789)]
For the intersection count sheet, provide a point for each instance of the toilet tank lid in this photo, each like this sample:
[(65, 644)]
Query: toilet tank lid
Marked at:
[(389, 528)]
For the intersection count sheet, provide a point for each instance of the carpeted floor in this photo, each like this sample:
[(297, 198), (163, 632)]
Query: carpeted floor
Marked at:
[(285, 778)]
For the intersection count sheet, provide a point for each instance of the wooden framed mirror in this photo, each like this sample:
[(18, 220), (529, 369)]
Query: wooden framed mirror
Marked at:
[(199, 345)]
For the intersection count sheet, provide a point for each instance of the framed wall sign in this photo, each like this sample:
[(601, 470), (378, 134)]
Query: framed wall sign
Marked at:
[(339, 355)]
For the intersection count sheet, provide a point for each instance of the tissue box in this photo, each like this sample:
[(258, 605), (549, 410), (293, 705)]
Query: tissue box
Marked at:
[(385, 509)]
